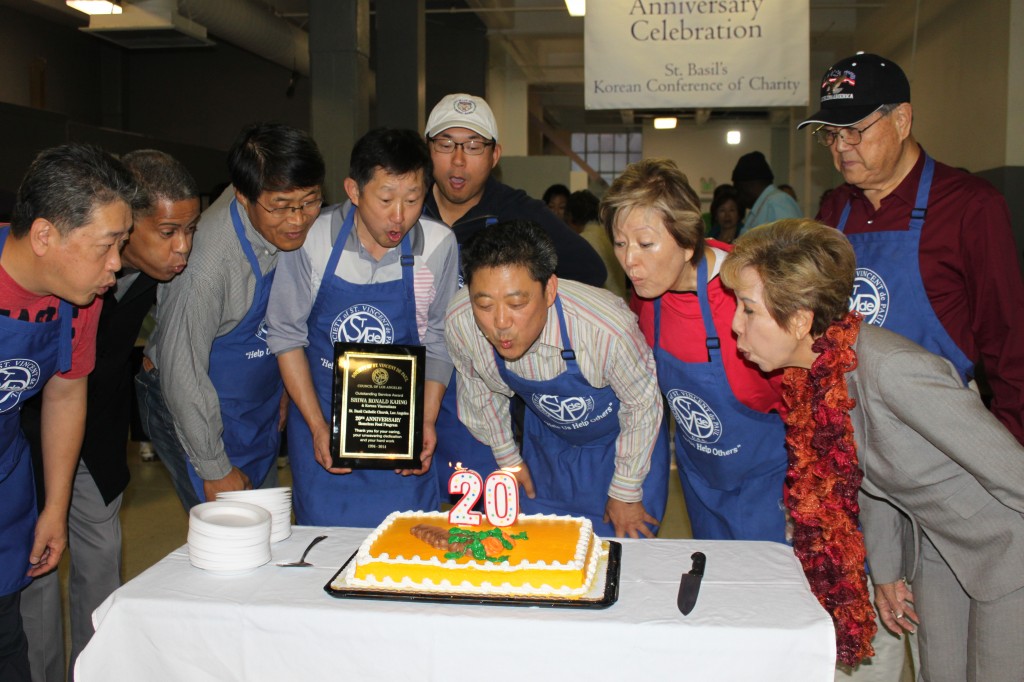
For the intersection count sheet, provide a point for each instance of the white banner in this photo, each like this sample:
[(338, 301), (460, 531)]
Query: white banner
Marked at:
[(641, 54)]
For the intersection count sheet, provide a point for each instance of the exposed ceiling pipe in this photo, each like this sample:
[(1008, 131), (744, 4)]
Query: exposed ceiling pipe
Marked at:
[(254, 28)]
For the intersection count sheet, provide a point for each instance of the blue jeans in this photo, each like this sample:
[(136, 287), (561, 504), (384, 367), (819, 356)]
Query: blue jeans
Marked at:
[(160, 427)]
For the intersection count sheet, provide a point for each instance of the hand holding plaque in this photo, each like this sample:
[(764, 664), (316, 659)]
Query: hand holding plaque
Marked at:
[(377, 406)]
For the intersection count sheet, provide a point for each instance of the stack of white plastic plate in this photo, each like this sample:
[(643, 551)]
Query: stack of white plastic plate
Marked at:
[(277, 501), (228, 536)]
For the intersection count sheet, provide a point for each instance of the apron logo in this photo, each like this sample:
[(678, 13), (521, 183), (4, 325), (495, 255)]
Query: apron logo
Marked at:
[(568, 410), (870, 296), (16, 376), (261, 331), (695, 417), (362, 324)]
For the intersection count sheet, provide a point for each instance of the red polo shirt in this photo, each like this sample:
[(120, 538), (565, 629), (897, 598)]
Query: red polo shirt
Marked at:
[(684, 337), (20, 304), (968, 262)]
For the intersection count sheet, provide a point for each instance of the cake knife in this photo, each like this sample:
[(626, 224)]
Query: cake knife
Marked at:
[(689, 585)]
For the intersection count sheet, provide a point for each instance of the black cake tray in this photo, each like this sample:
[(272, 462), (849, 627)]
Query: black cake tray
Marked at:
[(596, 599)]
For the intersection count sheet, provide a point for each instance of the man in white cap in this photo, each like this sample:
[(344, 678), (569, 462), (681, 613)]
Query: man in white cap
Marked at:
[(464, 149), (936, 262)]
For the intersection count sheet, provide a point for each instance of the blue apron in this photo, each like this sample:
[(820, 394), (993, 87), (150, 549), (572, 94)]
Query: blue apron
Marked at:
[(732, 460), (248, 382), (363, 313), (30, 353), (569, 438), (888, 290), (456, 446)]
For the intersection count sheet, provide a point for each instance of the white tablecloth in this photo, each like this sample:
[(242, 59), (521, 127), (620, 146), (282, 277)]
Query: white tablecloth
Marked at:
[(755, 619)]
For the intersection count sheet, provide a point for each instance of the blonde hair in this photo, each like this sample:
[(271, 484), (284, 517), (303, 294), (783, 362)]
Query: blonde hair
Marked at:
[(803, 265), (659, 185)]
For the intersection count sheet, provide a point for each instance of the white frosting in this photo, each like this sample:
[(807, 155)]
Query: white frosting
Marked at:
[(491, 586)]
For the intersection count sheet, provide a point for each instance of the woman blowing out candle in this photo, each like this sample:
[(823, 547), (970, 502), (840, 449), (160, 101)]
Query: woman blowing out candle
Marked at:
[(870, 409), (730, 441)]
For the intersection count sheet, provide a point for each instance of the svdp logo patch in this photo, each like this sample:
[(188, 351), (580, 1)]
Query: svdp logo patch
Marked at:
[(564, 409), (261, 331), (16, 377), (870, 296), (362, 324), (695, 417)]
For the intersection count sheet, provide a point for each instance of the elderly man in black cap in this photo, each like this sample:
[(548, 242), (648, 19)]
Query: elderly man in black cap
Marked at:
[(753, 179), (936, 262)]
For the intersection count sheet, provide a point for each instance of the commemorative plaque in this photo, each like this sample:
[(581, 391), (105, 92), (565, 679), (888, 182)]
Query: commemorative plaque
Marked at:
[(377, 406)]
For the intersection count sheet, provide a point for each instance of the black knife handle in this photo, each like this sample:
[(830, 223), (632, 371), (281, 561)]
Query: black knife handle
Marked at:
[(699, 561)]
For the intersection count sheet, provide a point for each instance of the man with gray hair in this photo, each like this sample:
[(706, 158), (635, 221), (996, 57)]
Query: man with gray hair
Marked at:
[(157, 251), (936, 262)]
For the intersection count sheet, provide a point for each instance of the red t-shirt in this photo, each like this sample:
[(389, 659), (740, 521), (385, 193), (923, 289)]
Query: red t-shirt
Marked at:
[(683, 336), (968, 262), (20, 304)]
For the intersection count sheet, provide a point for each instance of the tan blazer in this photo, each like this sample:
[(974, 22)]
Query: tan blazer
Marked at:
[(928, 447)]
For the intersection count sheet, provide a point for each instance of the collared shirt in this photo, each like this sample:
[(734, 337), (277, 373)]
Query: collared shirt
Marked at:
[(204, 302), (771, 205), (968, 262), (610, 351), (299, 273)]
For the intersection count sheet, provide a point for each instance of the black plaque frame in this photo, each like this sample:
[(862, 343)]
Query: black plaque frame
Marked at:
[(356, 408)]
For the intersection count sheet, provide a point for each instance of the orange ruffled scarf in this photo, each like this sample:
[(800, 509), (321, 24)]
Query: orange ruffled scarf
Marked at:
[(822, 484)]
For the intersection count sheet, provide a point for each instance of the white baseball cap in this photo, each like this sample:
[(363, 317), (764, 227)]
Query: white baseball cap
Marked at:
[(462, 111)]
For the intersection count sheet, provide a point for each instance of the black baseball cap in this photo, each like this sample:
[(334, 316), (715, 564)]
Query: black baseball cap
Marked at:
[(856, 86)]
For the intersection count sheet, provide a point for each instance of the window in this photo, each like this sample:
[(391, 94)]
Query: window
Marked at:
[(607, 153)]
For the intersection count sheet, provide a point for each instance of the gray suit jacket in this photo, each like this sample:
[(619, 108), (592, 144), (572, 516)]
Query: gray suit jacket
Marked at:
[(928, 447)]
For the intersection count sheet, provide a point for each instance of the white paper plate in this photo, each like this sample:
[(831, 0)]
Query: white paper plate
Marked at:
[(216, 554), (198, 539), (273, 495), (227, 567), (229, 517)]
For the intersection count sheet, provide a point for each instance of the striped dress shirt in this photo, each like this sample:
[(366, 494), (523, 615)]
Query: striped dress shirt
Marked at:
[(610, 351)]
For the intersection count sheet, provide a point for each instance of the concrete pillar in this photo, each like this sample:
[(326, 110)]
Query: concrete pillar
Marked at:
[(339, 52), (401, 63), (508, 95)]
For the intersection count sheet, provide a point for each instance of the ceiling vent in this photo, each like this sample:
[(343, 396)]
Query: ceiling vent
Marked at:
[(148, 25)]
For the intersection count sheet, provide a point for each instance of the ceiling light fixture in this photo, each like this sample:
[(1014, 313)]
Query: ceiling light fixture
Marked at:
[(577, 8), (732, 137), (94, 6), (665, 123)]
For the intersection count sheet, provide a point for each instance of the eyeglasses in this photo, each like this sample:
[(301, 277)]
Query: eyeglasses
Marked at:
[(446, 145), (849, 135), (307, 208)]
